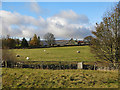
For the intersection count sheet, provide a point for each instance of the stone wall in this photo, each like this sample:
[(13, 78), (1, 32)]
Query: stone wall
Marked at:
[(61, 65)]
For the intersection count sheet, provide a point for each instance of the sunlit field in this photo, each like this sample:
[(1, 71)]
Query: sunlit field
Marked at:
[(46, 78), (57, 54)]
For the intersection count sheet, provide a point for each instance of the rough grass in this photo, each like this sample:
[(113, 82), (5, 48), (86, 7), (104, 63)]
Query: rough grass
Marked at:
[(57, 54), (37, 78)]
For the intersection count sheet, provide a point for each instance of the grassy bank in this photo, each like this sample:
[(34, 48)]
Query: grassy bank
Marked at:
[(37, 78)]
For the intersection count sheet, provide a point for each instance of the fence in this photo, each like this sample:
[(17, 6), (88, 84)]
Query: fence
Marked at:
[(43, 65), (101, 66), (63, 65)]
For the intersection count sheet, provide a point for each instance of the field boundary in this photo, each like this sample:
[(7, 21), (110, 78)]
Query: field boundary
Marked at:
[(57, 65)]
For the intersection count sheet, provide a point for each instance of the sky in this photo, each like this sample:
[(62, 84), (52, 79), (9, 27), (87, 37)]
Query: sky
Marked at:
[(63, 19)]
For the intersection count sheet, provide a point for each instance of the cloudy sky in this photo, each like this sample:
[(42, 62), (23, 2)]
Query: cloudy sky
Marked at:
[(64, 19)]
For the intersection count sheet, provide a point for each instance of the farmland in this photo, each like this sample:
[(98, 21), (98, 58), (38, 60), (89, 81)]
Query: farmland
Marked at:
[(37, 78), (57, 54), (46, 78)]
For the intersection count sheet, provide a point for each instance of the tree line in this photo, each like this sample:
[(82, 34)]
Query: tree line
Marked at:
[(35, 41)]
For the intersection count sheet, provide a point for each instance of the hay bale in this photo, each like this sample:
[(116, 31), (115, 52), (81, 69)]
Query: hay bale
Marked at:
[(27, 58), (44, 50), (17, 55), (78, 51)]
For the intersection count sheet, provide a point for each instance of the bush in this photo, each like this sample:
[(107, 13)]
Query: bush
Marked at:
[(8, 57)]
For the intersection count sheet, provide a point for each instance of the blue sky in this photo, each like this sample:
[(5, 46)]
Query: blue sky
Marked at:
[(94, 10), (54, 13)]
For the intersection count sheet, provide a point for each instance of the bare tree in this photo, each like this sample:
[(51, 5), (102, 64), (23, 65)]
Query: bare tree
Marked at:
[(106, 44), (50, 39)]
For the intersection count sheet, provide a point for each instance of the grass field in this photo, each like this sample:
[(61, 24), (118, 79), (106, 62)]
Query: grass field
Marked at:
[(57, 54), (37, 78)]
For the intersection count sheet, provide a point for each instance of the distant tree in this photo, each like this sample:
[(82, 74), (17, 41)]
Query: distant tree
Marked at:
[(38, 40), (35, 41), (106, 44), (24, 43), (11, 43), (29, 41), (50, 39), (71, 41), (88, 39), (17, 42), (8, 42)]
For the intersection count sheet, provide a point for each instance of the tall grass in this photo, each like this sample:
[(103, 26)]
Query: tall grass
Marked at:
[(37, 78)]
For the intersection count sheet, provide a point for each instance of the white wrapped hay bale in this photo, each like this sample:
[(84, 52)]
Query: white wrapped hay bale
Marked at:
[(17, 55), (27, 58), (44, 50), (78, 51)]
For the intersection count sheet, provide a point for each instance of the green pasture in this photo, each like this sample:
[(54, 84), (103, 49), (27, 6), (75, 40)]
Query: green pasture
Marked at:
[(57, 54), (38, 78)]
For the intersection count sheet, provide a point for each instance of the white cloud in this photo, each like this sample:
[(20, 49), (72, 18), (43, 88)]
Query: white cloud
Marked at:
[(72, 17), (65, 25), (35, 7)]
